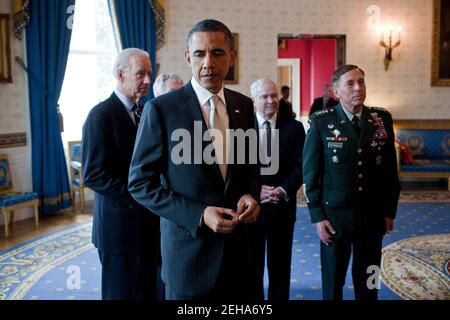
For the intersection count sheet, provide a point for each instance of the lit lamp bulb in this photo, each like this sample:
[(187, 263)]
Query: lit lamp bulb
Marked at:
[(389, 44)]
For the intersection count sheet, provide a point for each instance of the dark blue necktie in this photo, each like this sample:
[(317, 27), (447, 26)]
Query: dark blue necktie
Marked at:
[(268, 138)]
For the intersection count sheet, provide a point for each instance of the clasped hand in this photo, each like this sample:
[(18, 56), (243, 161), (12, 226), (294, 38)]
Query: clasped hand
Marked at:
[(271, 194), (223, 220)]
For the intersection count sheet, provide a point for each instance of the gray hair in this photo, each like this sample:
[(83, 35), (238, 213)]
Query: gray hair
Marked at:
[(342, 70), (124, 57), (159, 86), (254, 88)]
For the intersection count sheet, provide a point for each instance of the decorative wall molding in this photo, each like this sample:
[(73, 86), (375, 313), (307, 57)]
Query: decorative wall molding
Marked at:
[(9, 140)]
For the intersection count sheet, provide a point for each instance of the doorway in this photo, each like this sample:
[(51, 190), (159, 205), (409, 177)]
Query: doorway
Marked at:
[(317, 57), (289, 75)]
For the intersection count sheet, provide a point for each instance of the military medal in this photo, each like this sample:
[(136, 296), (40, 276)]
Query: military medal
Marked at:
[(382, 143), (374, 143), (330, 126), (335, 159), (378, 160)]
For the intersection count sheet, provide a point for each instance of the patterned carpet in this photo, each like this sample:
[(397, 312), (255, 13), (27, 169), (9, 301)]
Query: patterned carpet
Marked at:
[(416, 260), (39, 268), (418, 268)]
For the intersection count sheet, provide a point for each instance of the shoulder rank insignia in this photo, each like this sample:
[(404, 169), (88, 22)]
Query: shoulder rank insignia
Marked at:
[(323, 112), (375, 109)]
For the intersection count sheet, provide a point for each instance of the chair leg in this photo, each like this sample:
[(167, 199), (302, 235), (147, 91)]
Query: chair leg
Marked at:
[(11, 217), (36, 214), (6, 220), (72, 198), (82, 199)]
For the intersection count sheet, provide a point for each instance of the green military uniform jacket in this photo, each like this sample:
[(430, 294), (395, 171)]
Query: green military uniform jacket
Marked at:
[(351, 182)]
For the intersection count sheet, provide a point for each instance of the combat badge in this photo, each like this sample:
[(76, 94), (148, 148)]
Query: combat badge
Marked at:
[(335, 159)]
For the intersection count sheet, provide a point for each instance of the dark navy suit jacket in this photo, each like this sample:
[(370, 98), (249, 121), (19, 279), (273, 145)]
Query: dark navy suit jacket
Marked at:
[(289, 175), (318, 104), (121, 225), (179, 193)]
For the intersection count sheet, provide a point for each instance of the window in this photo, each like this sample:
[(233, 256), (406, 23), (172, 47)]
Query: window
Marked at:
[(89, 78)]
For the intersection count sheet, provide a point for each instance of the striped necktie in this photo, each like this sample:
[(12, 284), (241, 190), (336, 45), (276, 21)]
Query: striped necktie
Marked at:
[(137, 111)]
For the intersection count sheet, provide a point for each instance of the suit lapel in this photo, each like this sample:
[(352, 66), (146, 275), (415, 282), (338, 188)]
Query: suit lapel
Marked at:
[(121, 112), (234, 111)]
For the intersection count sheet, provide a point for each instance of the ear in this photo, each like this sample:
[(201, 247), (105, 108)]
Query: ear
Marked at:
[(119, 75), (187, 57), (335, 92)]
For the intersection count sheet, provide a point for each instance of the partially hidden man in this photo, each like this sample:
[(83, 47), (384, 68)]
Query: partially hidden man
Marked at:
[(351, 184), (124, 232)]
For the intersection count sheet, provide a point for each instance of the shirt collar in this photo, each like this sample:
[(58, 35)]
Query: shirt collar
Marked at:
[(127, 102), (350, 115), (261, 120), (203, 95)]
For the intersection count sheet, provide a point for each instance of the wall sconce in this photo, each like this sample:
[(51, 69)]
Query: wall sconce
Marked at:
[(389, 45)]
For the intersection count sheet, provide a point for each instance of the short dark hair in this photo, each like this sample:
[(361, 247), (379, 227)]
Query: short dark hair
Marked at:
[(211, 25), (284, 88), (342, 70)]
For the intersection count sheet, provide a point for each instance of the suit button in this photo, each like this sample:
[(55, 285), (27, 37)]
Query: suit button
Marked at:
[(359, 150), (360, 188), (360, 163), (360, 176)]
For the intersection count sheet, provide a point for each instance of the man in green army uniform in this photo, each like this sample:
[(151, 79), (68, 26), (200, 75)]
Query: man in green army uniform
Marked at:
[(351, 185)]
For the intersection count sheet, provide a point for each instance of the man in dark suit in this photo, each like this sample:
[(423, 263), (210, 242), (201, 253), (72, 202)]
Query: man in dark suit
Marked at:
[(125, 233), (177, 172), (285, 106), (275, 225), (324, 102), (351, 185)]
